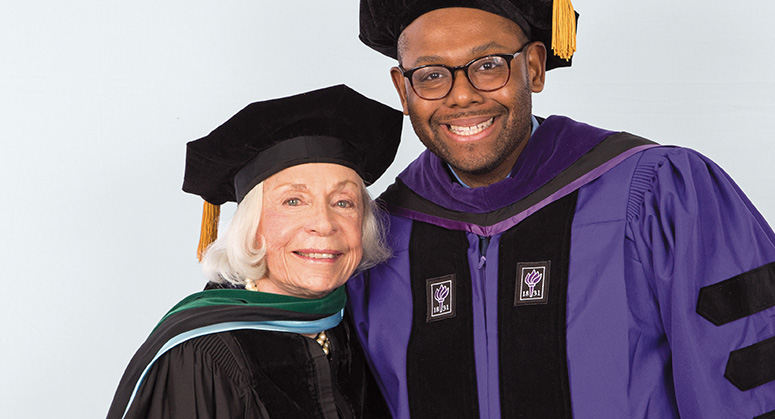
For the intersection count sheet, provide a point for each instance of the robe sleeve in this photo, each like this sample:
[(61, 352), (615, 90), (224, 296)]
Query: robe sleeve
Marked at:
[(709, 259), (197, 379)]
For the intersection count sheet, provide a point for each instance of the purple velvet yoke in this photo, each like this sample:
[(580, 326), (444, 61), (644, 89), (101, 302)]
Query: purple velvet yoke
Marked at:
[(651, 228), (544, 157)]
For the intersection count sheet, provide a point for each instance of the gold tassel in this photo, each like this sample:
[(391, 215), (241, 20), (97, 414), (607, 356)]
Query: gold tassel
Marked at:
[(563, 29), (210, 215)]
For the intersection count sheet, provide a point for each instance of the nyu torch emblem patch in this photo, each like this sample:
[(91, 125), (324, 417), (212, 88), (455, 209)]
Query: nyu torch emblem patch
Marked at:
[(532, 283), (441, 298)]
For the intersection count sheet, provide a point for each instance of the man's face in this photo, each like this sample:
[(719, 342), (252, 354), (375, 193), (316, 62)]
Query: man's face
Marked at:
[(480, 134)]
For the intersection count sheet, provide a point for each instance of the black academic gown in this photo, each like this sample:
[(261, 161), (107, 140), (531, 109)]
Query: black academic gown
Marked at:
[(252, 374), (260, 374)]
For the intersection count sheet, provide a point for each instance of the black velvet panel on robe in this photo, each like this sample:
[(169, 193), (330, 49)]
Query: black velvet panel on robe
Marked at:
[(440, 363), (532, 348), (440, 358)]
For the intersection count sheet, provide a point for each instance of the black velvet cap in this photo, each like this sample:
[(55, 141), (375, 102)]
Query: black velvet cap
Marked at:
[(331, 125), (382, 21)]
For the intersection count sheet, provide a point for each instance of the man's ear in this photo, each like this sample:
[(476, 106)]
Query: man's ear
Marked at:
[(400, 83), (536, 66)]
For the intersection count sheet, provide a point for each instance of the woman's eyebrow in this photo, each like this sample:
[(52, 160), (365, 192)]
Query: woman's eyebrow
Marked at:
[(344, 183), (293, 186), (304, 187)]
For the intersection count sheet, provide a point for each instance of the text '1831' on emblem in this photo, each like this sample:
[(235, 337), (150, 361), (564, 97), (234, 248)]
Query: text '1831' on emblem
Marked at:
[(532, 283), (441, 298)]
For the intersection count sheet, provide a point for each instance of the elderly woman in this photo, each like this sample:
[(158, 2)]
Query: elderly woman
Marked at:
[(266, 338)]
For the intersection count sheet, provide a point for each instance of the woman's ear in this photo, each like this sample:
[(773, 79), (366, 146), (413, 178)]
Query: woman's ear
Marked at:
[(401, 85)]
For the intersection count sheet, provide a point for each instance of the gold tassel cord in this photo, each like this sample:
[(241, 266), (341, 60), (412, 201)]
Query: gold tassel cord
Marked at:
[(563, 29), (210, 215)]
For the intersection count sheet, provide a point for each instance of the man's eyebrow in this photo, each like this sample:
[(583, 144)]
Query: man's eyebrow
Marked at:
[(486, 48), (476, 51), (428, 59)]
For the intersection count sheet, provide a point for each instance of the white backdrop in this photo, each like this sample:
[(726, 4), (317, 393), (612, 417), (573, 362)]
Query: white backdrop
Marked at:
[(98, 98)]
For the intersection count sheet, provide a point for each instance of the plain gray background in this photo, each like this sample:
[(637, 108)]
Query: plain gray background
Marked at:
[(98, 98)]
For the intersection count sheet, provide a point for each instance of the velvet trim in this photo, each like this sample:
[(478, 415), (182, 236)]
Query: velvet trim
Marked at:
[(738, 297), (547, 154), (440, 363), (752, 366), (768, 415), (401, 199), (290, 375), (534, 381)]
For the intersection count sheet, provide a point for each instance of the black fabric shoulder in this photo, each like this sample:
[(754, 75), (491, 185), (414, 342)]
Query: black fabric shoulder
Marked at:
[(185, 321), (224, 352), (200, 378)]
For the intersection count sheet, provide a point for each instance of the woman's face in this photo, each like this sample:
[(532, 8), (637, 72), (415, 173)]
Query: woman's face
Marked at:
[(311, 223)]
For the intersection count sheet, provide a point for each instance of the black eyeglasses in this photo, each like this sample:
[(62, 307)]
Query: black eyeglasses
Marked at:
[(488, 73)]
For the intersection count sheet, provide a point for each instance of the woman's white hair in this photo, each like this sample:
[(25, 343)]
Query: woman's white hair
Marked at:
[(237, 254)]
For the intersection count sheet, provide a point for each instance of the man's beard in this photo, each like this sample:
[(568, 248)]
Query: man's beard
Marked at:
[(514, 132)]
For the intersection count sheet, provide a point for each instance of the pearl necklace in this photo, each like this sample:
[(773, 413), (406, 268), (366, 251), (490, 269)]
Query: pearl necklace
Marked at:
[(322, 340), (250, 285)]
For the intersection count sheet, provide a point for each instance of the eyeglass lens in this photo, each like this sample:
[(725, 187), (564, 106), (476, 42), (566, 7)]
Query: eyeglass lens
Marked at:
[(487, 73)]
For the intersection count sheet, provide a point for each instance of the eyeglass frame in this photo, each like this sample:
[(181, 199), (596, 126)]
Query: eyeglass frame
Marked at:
[(453, 71)]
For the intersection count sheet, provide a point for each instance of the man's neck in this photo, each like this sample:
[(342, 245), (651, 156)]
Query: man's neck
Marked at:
[(470, 180)]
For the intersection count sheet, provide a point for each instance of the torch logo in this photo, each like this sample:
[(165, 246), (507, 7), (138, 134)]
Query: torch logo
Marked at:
[(441, 298), (532, 283), (440, 295), (532, 279)]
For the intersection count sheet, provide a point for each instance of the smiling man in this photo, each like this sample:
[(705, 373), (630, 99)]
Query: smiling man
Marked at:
[(478, 133), (544, 268)]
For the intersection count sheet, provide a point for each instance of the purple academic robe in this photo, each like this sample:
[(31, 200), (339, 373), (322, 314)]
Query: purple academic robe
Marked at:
[(607, 277)]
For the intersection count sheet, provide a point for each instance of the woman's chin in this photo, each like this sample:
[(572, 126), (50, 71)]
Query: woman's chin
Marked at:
[(318, 290), (310, 288)]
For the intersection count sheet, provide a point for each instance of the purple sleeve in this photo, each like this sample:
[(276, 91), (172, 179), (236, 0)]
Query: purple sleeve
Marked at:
[(689, 227)]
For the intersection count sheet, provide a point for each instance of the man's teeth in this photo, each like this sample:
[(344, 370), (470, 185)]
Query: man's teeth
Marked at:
[(471, 130), (318, 255)]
